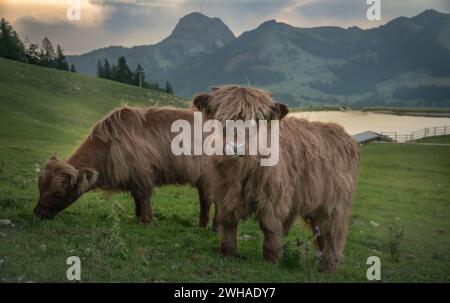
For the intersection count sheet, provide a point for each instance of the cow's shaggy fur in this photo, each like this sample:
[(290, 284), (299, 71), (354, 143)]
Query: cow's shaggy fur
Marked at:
[(315, 177), (129, 150)]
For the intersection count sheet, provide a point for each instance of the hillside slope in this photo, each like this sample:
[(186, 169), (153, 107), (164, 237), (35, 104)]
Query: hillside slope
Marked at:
[(46, 105), (45, 111)]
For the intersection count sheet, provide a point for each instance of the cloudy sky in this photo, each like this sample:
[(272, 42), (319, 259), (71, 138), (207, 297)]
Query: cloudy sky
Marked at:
[(137, 22)]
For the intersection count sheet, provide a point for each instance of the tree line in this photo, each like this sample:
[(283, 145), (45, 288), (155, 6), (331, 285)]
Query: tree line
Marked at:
[(121, 72), (12, 47)]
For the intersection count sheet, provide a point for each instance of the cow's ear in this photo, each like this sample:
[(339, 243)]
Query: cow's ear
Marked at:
[(201, 101), (87, 179), (282, 110)]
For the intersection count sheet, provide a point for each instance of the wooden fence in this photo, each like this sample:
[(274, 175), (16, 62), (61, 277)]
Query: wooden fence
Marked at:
[(419, 134)]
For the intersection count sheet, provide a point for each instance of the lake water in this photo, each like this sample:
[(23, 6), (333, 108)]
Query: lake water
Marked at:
[(355, 122)]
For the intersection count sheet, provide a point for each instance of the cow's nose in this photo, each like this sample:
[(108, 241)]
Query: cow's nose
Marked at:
[(43, 214), (230, 149), (233, 149)]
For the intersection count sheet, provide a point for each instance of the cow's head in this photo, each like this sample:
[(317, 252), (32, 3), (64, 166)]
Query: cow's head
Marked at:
[(253, 111), (60, 185)]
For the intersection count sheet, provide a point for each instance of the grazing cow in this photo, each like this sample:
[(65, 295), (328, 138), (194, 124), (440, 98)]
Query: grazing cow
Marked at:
[(315, 176), (129, 150)]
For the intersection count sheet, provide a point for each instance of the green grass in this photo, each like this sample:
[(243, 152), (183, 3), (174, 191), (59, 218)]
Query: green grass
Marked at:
[(311, 108), (438, 139), (402, 188), (406, 110), (423, 112), (431, 112)]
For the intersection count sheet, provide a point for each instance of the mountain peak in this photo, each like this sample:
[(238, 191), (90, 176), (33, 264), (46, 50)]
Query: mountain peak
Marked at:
[(193, 17), (428, 18), (196, 33), (429, 12), (198, 24), (271, 24)]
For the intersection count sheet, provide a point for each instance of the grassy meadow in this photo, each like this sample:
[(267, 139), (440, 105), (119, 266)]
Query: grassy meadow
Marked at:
[(401, 209)]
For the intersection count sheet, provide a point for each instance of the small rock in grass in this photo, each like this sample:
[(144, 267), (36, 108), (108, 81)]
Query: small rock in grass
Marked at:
[(43, 247), (6, 222), (374, 223), (245, 237)]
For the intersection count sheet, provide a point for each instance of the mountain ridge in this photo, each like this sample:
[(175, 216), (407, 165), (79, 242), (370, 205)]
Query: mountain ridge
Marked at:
[(321, 65)]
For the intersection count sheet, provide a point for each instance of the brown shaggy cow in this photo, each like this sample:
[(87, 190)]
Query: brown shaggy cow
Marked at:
[(315, 176), (129, 150)]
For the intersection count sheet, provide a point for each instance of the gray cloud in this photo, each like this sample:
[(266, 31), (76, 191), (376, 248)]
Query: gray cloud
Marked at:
[(336, 10), (138, 22), (355, 10)]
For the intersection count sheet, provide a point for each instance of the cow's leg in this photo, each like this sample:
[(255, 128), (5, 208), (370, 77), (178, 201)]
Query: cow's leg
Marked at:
[(273, 232), (288, 222), (331, 233), (205, 207), (228, 202), (228, 222), (315, 221), (143, 205), (137, 208), (215, 226), (334, 234), (228, 235)]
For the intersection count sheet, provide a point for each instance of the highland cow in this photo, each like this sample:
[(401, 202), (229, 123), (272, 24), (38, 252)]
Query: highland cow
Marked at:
[(314, 179), (129, 150)]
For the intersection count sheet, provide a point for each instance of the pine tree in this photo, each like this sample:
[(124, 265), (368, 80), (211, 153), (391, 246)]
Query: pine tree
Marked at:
[(60, 61), (32, 54), (47, 53), (155, 85), (100, 70), (139, 76), (11, 46), (107, 70), (72, 68), (123, 73), (113, 72), (169, 88)]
